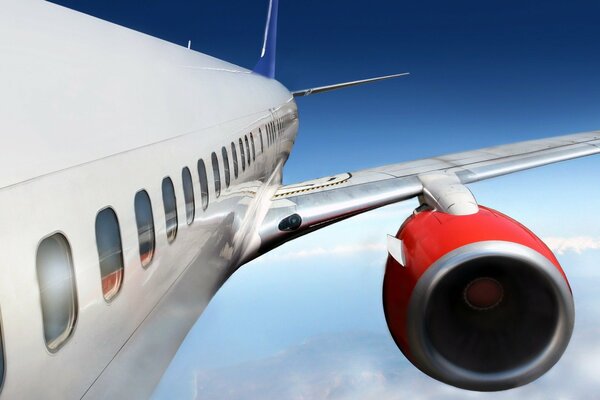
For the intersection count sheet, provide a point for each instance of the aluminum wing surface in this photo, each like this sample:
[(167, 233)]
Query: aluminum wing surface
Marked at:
[(304, 207)]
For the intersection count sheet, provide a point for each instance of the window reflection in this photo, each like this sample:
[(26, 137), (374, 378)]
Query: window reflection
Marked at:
[(110, 252), (57, 289), (170, 204), (145, 226)]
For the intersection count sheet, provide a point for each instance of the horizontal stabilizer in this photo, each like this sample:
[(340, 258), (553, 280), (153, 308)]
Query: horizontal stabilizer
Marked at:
[(321, 89)]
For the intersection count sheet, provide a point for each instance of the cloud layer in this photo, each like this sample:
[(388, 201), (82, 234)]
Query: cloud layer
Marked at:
[(577, 244), (366, 366), (559, 245)]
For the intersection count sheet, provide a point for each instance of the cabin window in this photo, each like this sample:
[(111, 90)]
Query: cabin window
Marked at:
[(203, 183), (262, 144), (110, 252), (235, 160), (145, 227), (188, 195), (216, 173), (247, 148), (56, 280), (270, 134), (170, 205), (253, 148), (226, 165), (242, 155)]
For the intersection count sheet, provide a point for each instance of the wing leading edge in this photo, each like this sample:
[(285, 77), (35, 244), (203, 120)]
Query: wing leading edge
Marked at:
[(304, 207)]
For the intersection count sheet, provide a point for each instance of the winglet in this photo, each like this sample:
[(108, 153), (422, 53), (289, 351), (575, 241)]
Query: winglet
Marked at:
[(266, 63)]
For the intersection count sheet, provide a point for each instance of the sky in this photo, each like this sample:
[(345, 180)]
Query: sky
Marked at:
[(306, 321)]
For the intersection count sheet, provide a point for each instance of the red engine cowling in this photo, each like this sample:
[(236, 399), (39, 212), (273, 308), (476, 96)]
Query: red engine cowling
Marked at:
[(481, 303)]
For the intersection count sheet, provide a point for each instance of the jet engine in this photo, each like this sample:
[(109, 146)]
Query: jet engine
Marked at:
[(476, 301)]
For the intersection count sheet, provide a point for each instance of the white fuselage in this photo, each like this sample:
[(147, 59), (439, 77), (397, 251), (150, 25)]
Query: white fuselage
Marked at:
[(90, 114)]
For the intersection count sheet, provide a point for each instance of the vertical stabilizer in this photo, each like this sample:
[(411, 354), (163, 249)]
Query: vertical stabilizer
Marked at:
[(266, 64)]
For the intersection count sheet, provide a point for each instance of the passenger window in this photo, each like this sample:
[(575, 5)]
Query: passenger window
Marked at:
[(56, 280), (226, 166), (145, 226), (247, 148), (188, 195), (235, 160), (242, 155), (110, 252), (262, 144), (253, 148), (203, 184), (216, 173), (170, 204)]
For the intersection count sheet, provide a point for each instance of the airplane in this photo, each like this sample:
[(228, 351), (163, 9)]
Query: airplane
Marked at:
[(142, 174)]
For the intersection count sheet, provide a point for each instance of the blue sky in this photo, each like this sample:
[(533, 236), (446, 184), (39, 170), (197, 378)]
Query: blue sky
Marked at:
[(305, 321)]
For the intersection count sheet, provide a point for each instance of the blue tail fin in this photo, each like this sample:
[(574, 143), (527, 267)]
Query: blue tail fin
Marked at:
[(266, 64)]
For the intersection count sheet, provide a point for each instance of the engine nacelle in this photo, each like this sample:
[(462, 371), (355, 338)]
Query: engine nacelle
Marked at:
[(480, 303)]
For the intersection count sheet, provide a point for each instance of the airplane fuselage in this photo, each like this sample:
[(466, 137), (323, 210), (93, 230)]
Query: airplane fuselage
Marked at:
[(91, 114)]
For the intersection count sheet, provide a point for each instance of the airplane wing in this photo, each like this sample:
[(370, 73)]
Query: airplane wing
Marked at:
[(304, 207)]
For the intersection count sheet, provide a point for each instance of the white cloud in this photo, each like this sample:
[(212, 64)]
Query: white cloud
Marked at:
[(577, 244), (353, 366)]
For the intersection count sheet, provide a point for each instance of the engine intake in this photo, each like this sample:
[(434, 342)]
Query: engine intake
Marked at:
[(481, 303)]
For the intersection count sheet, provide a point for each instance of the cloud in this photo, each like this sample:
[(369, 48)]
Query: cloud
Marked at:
[(365, 366), (559, 245), (577, 244)]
